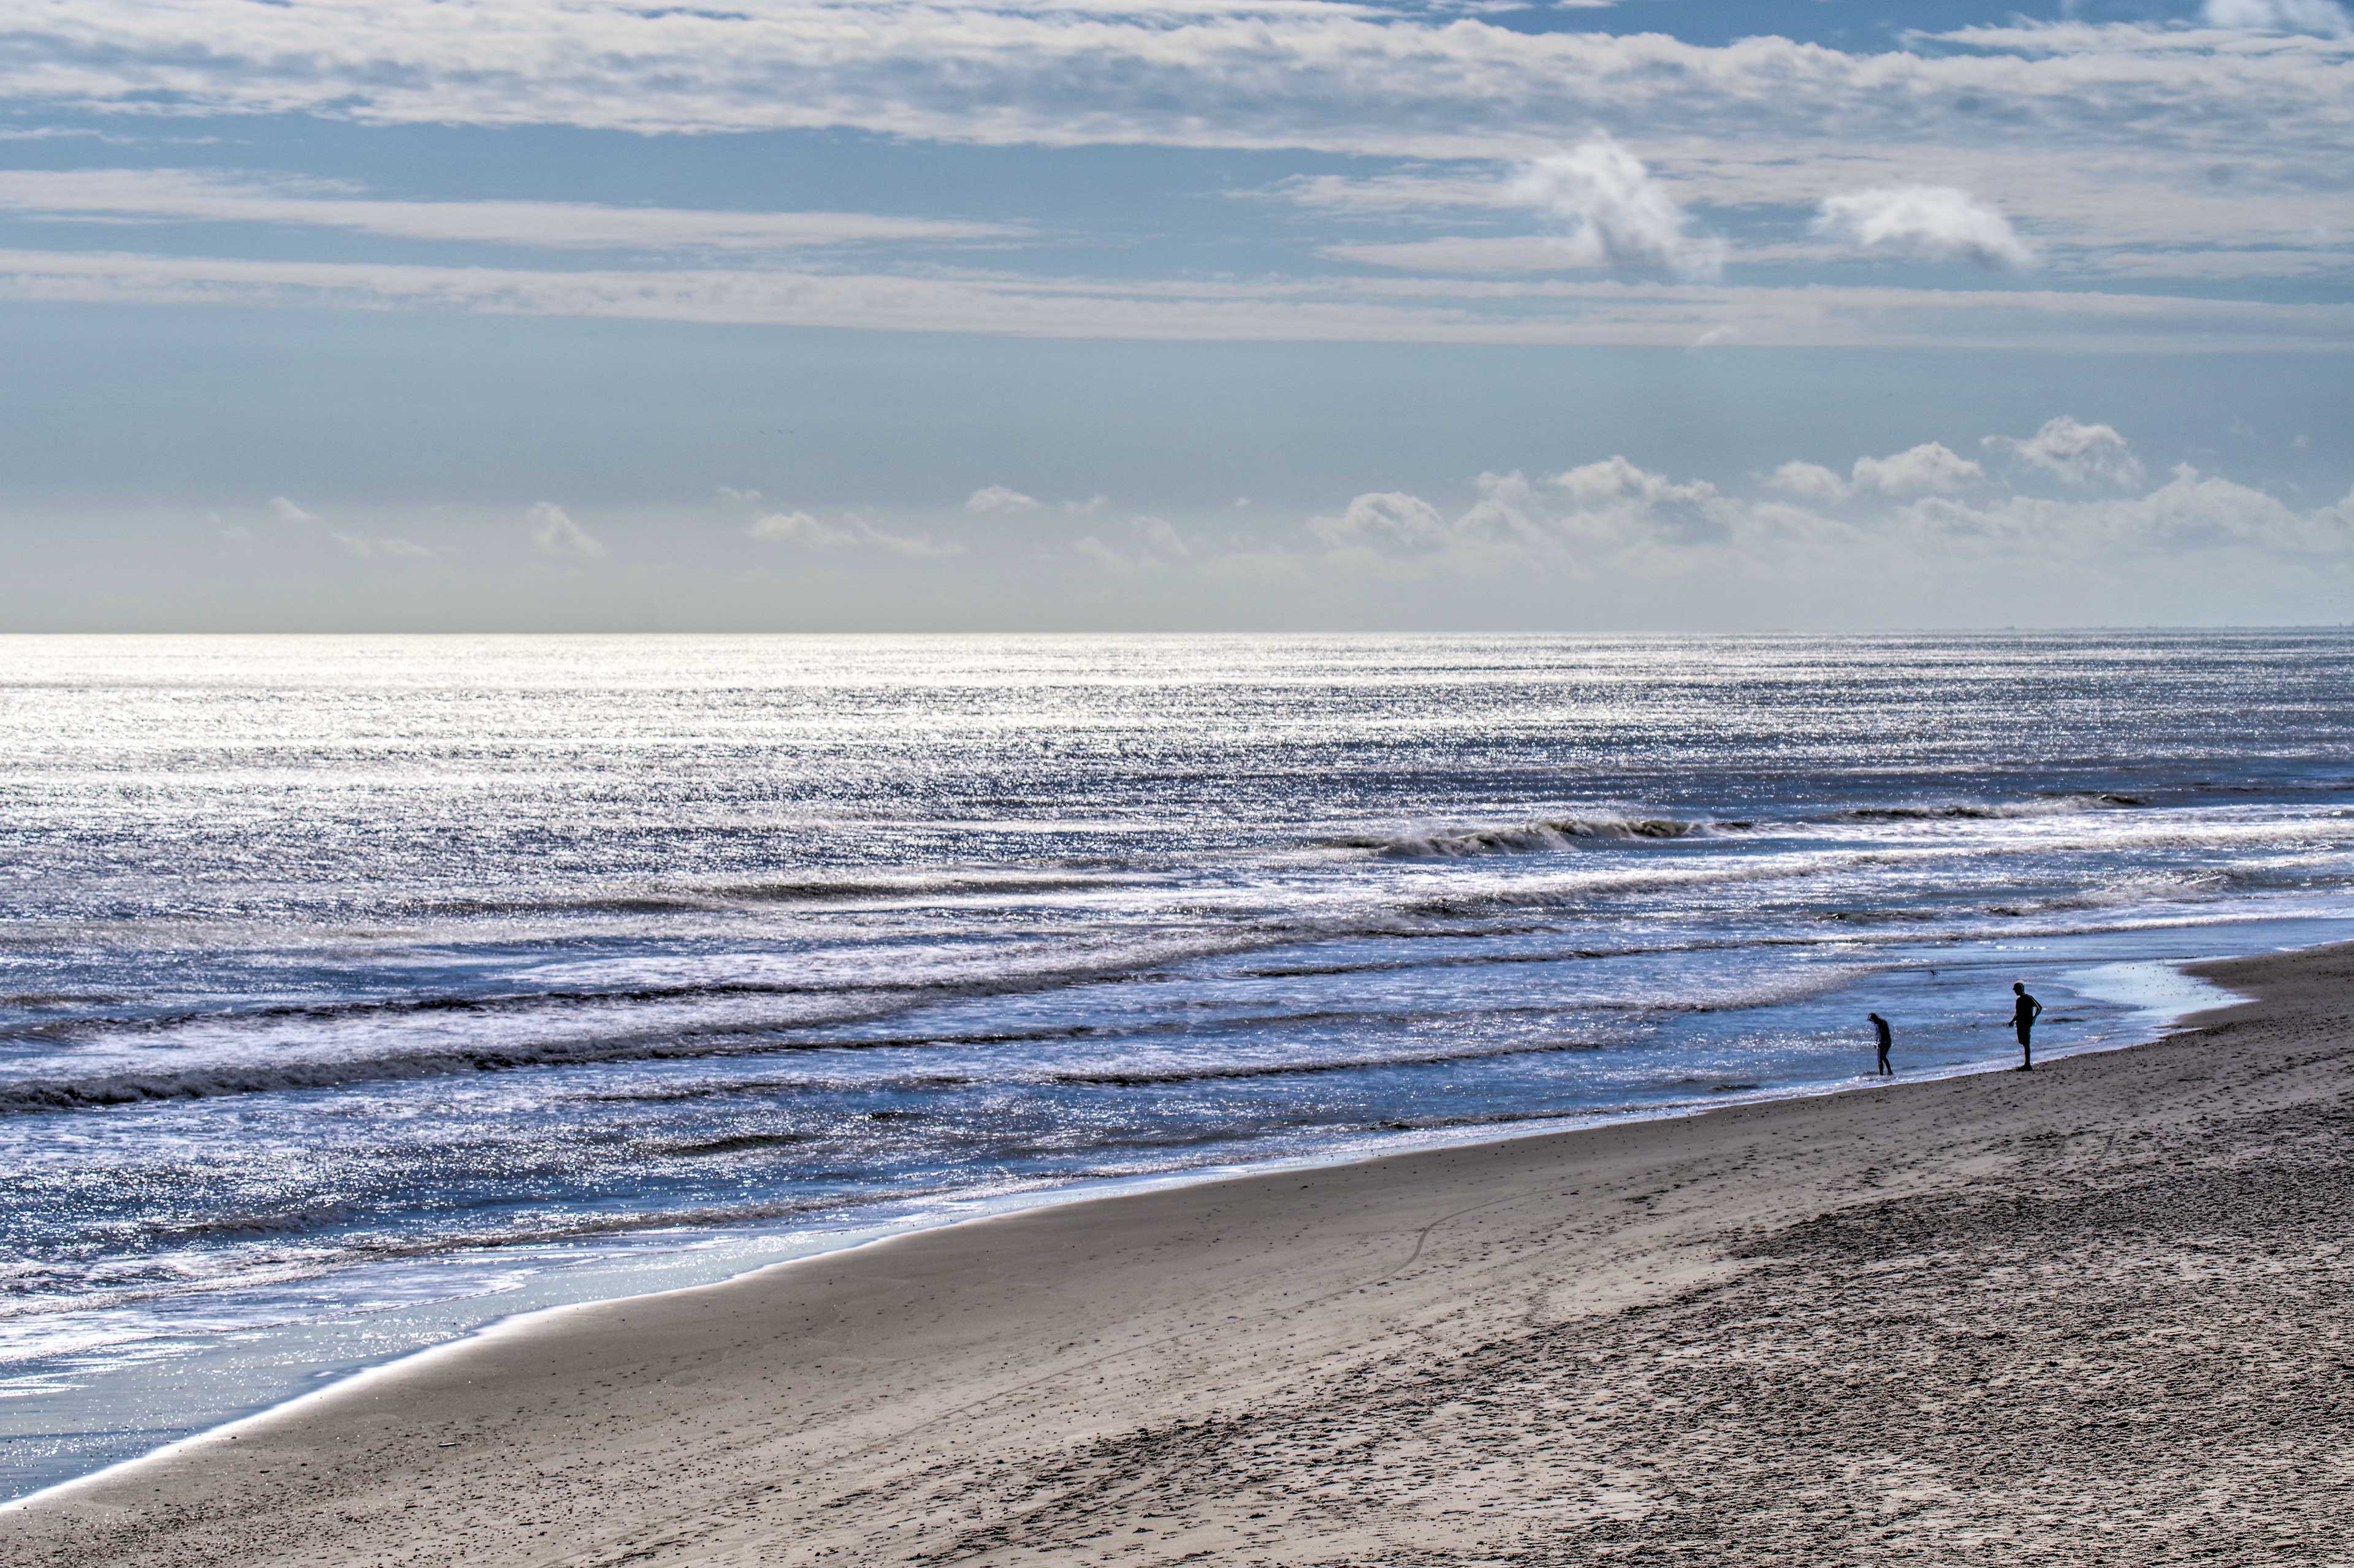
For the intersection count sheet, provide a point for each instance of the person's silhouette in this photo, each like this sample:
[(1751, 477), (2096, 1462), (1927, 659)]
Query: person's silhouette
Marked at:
[(1880, 1027), (2024, 1011)]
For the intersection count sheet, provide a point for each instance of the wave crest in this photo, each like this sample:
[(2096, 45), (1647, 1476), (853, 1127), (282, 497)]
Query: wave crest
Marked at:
[(1995, 810), (1538, 837)]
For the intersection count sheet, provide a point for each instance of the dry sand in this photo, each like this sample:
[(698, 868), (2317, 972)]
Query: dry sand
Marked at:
[(2099, 1314)]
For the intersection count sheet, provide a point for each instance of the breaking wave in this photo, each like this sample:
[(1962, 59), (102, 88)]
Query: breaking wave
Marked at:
[(1537, 837), (1995, 810)]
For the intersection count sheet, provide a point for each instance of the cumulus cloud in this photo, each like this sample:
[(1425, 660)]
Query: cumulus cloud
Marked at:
[(1388, 517), (2326, 17), (1923, 508), (1614, 479), (1812, 480), (285, 510), (1154, 542), (802, 530), (1616, 517), (1000, 498), (2074, 453), (799, 528), (2192, 511), (1612, 510), (1615, 213), (1930, 467), (1161, 536), (1617, 501), (556, 534), (739, 497), (1934, 221)]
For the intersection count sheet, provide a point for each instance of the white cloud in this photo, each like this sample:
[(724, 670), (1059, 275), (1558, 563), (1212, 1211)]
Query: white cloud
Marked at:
[(805, 532), (1317, 74), (2076, 452), (1616, 214), (1088, 508), (1811, 480), (2326, 17), (1616, 478), (2239, 210), (1000, 498), (556, 534), (2192, 511), (799, 528), (1384, 518), (1156, 543), (1929, 467), (1573, 521), (1614, 501), (1614, 517), (198, 197), (731, 493), (1161, 536), (1935, 221), (285, 510)]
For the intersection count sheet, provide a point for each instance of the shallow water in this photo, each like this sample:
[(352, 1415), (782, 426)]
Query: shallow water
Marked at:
[(353, 991)]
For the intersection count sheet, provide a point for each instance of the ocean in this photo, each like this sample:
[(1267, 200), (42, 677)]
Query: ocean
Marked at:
[(357, 992)]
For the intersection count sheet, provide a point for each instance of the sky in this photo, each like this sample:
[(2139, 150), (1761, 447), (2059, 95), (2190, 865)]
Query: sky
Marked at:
[(1545, 315)]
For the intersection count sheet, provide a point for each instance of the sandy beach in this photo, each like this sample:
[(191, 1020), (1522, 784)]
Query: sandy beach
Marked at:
[(2096, 1313)]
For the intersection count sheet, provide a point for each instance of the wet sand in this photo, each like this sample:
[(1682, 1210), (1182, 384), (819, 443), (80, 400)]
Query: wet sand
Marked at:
[(2101, 1313)]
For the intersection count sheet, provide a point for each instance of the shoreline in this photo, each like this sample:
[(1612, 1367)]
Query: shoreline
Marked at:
[(952, 1392), (307, 1345)]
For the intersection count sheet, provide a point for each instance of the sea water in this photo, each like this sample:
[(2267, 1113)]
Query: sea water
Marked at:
[(354, 991)]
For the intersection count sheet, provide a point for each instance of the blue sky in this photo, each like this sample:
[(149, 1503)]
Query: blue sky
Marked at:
[(839, 314)]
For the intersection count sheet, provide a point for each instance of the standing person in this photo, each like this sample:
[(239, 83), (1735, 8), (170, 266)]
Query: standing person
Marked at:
[(1880, 1027), (2024, 1011)]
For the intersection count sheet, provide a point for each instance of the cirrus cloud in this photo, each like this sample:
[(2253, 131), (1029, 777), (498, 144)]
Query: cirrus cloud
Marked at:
[(2324, 17), (1355, 79), (194, 195)]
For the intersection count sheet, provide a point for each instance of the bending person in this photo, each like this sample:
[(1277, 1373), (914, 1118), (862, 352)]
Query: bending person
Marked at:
[(1880, 1027)]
